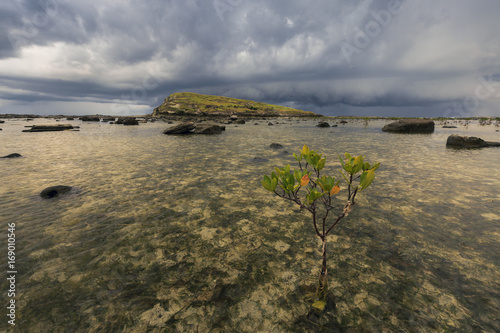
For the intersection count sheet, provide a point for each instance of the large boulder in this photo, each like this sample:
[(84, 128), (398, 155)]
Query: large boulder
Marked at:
[(410, 126), (13, 155), (208, 129), (183, 128), (323, 124), (54, 191), (458, 141)]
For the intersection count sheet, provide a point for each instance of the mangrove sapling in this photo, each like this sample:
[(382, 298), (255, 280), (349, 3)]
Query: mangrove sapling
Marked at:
[(311, 191)]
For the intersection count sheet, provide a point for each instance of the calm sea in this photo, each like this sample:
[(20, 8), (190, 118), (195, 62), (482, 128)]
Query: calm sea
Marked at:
[(176, 234)]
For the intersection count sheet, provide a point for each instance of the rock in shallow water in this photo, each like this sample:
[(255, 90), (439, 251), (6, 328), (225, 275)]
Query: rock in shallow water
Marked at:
[(13, 155), (191, 128), (323, 124), (55, 191), (458, 141), (410, 126), (276, 146), (50, 128)]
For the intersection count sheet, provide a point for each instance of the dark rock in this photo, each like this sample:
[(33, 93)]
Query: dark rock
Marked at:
[(323, 124), (130, 122), (55, 191), (343, 121), (70, 118), (50, 128), (104, 119), (208, 129), (258, 160), (2, 121), (13, 155), (183, 128), (449, 126), (239, 121), (335, 125), (191, 128), (90, 118), (276, 146), (410, 126), (270, 124), (458, 141)]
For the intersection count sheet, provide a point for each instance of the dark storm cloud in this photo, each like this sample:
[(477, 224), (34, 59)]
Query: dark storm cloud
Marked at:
[(317, 55)]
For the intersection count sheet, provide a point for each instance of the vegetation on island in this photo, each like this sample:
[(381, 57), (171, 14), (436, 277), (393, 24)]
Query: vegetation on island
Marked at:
[(317, 194), (187, 103)]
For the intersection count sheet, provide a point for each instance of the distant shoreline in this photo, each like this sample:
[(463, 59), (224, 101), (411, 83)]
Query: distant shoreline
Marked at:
[(194, 116)]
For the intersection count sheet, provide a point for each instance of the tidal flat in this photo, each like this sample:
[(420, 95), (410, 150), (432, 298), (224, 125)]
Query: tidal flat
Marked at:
[(176, 234)]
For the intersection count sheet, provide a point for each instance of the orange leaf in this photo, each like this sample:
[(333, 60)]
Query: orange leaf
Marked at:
[(304, 181), (335, 190)]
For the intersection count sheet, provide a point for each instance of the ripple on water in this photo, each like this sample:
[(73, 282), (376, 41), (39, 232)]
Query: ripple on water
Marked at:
[(176, 233)]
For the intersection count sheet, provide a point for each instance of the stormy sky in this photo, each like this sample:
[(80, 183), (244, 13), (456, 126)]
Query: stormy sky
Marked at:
[(415, 58)]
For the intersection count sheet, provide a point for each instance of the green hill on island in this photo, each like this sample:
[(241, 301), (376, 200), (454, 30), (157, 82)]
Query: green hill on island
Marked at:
[(187, 103)]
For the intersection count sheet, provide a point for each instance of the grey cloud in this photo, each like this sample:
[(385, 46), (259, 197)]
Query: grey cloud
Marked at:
[(426, 54)]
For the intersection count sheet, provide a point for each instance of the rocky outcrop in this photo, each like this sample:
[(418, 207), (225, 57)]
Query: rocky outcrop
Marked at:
[(323, 124), (457, 141), (410, 126), (13, 155), (50, 128), (55, 191)]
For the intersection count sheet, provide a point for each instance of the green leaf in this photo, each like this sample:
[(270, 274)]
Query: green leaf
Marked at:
[(298, 158), (305, 150), (367, 178), (357, 165), (321, 164), (274, 183)]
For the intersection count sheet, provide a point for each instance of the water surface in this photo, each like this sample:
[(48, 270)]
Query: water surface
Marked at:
[(176, 234)]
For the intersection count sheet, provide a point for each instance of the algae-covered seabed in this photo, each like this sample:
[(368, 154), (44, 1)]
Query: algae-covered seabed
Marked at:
[(176, 234)]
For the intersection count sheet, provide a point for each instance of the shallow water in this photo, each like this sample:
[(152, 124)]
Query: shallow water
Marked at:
[(176, 234)]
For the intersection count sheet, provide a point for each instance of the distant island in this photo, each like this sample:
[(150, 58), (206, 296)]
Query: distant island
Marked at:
[(192, 104)]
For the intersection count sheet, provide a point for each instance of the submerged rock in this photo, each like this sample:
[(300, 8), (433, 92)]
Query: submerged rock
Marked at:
[(410, 126), (258, 160), (13, 155), (54, 191), (458, 141), (276, 146)]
